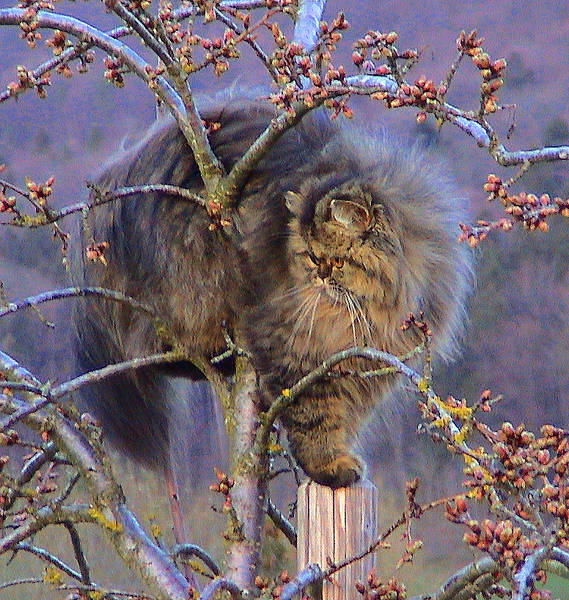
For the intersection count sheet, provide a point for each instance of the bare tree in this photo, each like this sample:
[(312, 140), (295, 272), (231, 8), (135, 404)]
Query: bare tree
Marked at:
[(519, 478)]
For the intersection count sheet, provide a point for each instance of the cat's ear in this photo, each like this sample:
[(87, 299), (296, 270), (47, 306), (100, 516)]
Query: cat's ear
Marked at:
[(294, 202), (350, 214)]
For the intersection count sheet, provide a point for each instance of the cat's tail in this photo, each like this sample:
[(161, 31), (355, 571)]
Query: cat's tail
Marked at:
[(159, 416), (131, 406)]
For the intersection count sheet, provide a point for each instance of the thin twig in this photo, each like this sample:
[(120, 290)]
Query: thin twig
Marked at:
[(104, 198), (24, 581), (111, 370), (138, 27), (71, 292), (43, 517), (189, 550), (48, 557), (212, 588), (78, 552), (30, 468), (23, 412), (281, 522), (248, 40), (66, 56), (66, 492), (312, 573)]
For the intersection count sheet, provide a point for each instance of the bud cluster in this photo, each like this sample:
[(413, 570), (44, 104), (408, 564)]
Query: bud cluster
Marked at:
[(58, 42), (524, 476), (39, 193), (7, 203), (502, 540), (36, 5), (376, 589), (171, 26), (95, 252), (9, 438), (114, 71), (416, 322), (138, 5), (377, 46), (329, 35), (272, 588), (223, 486), (216, 52), (152, 75), (490, 70), (26, 81), (29, 26), (528, 209)]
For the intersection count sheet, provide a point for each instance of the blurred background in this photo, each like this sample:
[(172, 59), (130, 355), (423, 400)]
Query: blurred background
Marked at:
[(519, 320)]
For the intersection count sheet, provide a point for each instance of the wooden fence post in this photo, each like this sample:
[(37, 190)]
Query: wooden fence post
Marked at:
[(336, 524)]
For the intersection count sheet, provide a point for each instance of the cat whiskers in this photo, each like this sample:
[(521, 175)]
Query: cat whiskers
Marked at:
[(292, 291), (357, 316), (352, 313), (367, 335), (306, 307), (312, 320)]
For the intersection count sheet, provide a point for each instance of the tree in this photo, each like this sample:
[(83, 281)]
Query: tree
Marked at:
[(515, 467)]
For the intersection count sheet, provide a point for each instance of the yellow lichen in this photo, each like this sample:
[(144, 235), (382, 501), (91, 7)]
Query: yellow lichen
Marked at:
[(422, 385), (52, 576), (106, 523), (155, 530)]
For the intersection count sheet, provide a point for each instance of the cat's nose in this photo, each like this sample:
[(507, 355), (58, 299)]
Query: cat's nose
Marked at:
[(324, 269)]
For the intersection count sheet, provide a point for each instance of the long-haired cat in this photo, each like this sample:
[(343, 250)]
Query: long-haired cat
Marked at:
[(339, 234)]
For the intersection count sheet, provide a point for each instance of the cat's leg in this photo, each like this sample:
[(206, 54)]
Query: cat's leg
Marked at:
[(320, 435)]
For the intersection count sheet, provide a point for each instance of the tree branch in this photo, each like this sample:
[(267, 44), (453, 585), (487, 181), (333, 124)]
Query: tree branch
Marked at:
[(78, 552), (219, 584), (308, 18), (138, 27), (524, 577), (189, 550), (111, 370), (249, 471), (43, 517), (94, 37), (229, 188), (461, 579), (71, 292), (108, 509), (309, 575), (482, 133), (66, 56), (282, 523), (48, 557), (53, 216)]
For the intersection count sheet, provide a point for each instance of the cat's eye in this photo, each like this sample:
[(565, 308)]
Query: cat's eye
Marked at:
[(337, 262), (313, 258)]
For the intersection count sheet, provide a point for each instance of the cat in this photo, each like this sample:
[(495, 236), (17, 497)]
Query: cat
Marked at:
[(340, 232)]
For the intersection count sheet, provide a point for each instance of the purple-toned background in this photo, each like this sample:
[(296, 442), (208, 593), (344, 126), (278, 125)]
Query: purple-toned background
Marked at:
[(519, 325)]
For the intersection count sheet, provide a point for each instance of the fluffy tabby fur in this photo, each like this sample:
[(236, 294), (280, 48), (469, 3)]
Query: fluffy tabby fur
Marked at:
[(342, 233)]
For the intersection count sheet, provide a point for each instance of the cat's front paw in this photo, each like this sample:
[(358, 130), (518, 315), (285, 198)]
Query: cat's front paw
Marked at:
[(341, 472)]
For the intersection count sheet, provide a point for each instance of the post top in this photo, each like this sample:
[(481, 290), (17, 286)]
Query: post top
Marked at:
[(365, 484)]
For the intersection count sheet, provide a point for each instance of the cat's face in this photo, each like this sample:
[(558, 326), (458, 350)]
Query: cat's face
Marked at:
[(348, 244), (345, 261)]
